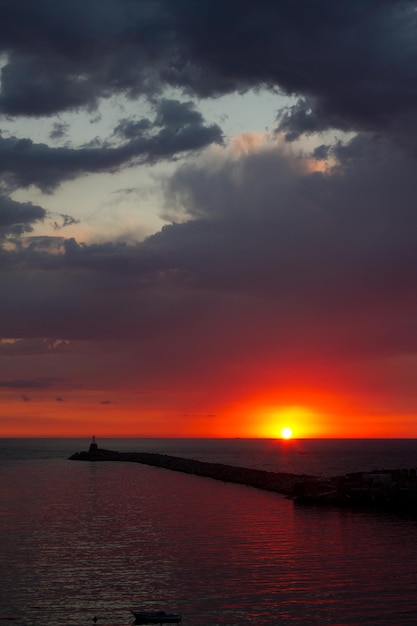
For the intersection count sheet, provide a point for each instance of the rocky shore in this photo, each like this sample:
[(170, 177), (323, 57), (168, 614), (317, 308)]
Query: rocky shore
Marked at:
[(394, 490)]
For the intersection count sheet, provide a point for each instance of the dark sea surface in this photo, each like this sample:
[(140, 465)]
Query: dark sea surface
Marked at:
[(81, 539)]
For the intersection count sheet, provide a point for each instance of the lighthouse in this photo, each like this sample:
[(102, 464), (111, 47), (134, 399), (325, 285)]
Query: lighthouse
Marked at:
[(93, 446)]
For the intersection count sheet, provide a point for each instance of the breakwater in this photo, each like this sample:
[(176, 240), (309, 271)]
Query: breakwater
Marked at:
[(283, 483), (394, 490)]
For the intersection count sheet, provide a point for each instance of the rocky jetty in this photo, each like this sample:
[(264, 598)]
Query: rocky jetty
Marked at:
[(283, 483), (394, 490)]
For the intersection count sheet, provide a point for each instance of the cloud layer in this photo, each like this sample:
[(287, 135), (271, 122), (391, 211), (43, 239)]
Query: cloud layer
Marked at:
[(353, 64), (296, 262)]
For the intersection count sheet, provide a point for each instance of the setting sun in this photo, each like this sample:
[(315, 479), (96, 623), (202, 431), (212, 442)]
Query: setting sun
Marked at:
[(286, 432)]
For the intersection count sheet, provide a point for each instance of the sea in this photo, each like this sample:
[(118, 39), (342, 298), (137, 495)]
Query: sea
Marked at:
[(83, 543)]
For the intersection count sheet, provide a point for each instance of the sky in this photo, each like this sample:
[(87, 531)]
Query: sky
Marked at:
[(208, 218)]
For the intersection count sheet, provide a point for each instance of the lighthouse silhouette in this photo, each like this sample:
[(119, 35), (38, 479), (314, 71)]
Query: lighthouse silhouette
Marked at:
[(93, 446)]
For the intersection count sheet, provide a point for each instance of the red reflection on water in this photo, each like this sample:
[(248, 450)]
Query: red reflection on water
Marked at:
[(81, 539)]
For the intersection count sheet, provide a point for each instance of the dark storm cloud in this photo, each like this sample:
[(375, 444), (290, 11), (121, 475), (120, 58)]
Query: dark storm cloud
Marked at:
[(173, 117), (129, 129), (177, 127), (67, 57), (18, 218), (272, 250), (264, 223), (309, 116), (59, 131), (353, 64), (24, 163), (326, 260)]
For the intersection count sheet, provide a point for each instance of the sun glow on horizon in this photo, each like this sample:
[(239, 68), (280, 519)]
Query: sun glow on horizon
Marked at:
[(286, 432), (287, 422)]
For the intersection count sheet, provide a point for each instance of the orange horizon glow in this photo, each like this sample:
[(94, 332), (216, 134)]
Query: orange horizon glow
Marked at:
[(85, 416)]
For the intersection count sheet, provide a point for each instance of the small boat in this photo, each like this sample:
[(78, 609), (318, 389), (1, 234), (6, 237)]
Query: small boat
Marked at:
[(156, 617)]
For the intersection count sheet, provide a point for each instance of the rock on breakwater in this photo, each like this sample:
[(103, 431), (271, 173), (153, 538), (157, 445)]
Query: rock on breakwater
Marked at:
[(283, 483)]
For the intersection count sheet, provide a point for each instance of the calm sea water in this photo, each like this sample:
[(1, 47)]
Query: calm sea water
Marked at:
[(79, 540)]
